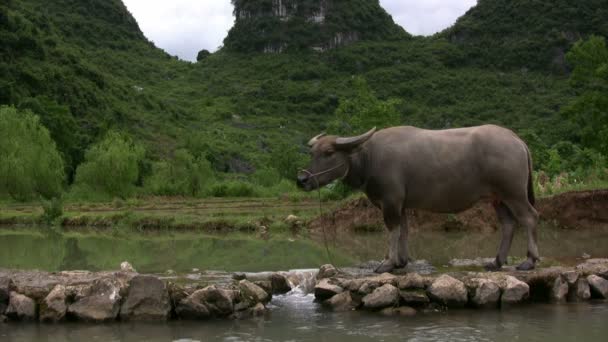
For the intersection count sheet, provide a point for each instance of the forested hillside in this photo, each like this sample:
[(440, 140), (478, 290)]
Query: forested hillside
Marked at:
[(288, 70)]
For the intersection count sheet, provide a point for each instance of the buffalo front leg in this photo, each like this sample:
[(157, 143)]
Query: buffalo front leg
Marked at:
[(392, 219), (507, 223)]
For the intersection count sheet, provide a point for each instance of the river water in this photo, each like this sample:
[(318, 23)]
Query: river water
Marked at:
[(295, 316)]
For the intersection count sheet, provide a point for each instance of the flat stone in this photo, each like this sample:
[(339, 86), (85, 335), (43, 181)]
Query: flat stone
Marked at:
[(341, 302), (559, 290), (515, 291), (325, 289), (598, 285), (580, 291), (382, 297), (100, 303), (414, 297), (253, 293), (54, 306), (448, 291), (404, 311), (594, 266), (327, 271), (21, 307), (411, 281), (147, 300), (486, 293), (279, 284)]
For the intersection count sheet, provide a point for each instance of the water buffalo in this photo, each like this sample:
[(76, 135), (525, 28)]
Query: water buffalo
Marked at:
[(437, 170)]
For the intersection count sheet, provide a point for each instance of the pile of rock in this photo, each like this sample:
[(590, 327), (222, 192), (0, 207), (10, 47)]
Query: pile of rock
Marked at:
[(126, 295), (404, 295)]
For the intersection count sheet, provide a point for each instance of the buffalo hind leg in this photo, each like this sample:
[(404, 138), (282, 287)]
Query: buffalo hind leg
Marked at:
[(403, 235), (527, 217), (507, 224), (392, 219)]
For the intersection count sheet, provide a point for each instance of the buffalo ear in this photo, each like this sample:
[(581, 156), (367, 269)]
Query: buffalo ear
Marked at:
[(352, 142)]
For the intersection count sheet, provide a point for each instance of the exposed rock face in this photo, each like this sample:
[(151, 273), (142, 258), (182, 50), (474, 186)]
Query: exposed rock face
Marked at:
[(21, 308), (486, 293), (326, 289), (559, 291), (341, 302), (580, 291), (148, 300), (448, 291), (100, 303), (279, 284), (598, 285), (382, 297), (54, 307), (192, 307), (515, 291), (253, 293), (278, 25), (5, 288)]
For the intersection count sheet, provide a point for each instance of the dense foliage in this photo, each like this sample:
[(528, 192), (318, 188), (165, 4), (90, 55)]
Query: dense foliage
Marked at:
[(236, 122), (30, 165)]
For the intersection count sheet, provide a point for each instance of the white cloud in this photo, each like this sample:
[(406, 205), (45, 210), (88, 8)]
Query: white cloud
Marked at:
[(183, 27)]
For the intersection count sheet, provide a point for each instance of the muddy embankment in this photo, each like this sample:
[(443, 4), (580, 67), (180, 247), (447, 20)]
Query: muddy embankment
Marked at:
[(573, 210)]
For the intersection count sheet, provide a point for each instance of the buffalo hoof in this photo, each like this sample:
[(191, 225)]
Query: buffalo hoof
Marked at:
[(385, 266), (492, 266), (526, 265)]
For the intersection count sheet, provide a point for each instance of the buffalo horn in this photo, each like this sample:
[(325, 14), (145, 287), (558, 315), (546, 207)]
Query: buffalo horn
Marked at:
[(351, 142), (315, 139)]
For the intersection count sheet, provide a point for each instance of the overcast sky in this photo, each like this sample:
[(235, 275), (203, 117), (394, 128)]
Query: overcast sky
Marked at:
[(184, 27)]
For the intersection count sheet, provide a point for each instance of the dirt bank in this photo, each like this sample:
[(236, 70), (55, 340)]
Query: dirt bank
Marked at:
[(573, 210)]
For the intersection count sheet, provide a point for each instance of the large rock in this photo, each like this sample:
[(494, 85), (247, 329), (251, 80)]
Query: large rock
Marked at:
[(326, 289), (101, 301), (341, 302), (559, 290), (515, 291), (382, 297), (253, 293), (220, 302), (21, 308), (598, 285), (448, 291), (279, 284), (486, 293), (580, 291), (414, 297), (192, 307), (125, 266), (5, 289), (54, 307), (327, 271), (147, 300), (571, 277), (411, 281)]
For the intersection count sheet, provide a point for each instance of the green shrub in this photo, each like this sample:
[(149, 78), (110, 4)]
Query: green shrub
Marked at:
[(184, 175), (111, 166), (30, 163), (51, 210), (233, 189)]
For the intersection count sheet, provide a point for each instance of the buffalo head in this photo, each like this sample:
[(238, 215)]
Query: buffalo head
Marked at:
[(329, 159)]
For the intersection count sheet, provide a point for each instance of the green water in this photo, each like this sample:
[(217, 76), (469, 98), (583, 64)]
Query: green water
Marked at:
[(45, 249), (154, 253)]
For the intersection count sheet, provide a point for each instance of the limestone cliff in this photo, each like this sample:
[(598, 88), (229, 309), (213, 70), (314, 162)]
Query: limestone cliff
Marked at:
[(275, 26)]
